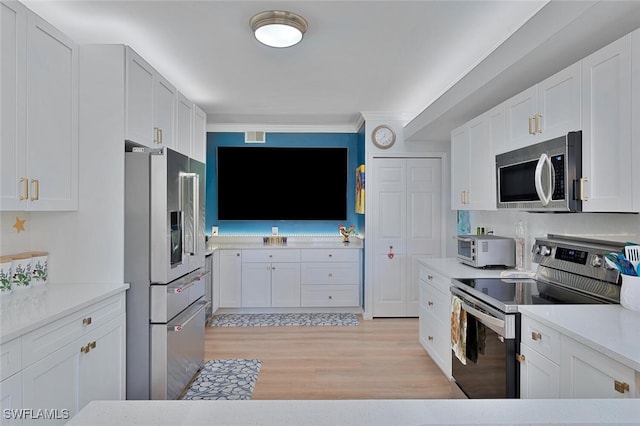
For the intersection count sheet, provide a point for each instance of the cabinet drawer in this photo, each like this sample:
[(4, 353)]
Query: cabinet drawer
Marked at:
[(271, 255), (434, 279), (435, 302), (435, 338), (50, 338), (330, 273), (330, 255), (542, 339), (330, 295), (10, 358)]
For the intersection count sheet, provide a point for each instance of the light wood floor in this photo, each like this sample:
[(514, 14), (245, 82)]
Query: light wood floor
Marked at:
[(379, 359)]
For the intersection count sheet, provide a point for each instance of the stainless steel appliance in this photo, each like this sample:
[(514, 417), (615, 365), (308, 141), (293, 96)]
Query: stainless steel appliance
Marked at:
[(481, 251), (570, 271), (543, 177), (164, 265)]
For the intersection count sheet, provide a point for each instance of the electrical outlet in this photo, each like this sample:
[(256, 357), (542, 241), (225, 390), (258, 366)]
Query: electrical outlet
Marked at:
[(274, 230), (214, 230)]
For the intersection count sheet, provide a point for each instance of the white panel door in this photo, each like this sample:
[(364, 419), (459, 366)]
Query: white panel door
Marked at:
[(230, 278), (139, 103), (256, 285), (520, 126), (559, 103), (407, 225), (164, 112), (285, 284), (184, 125)]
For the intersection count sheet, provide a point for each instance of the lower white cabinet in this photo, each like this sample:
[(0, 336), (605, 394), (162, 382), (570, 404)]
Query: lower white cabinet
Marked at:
[(539, 361), (330, 277), (230, 276), (67, 363), (434, 314), (271, 278)]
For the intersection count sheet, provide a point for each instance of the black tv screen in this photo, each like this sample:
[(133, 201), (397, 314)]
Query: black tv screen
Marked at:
[(264, 183)]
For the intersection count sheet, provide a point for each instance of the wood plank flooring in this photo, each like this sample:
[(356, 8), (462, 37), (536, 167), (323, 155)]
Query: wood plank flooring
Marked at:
[(379, 359)]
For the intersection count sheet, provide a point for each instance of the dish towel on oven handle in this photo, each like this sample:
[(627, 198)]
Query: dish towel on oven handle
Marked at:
[(458, 329)]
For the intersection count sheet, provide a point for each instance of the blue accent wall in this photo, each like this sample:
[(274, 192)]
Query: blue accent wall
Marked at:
[(354, 142)]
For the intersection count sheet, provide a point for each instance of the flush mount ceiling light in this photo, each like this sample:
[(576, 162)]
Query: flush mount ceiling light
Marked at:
[(278, 28)]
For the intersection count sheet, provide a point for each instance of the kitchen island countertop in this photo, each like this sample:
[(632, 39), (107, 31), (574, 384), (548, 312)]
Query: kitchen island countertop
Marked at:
[(361, 412)]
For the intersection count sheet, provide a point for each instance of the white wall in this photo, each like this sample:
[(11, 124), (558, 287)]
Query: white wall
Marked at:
[(605, 226)]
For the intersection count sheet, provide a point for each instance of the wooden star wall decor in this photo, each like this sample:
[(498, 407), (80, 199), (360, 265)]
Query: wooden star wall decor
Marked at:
[(19, 225)]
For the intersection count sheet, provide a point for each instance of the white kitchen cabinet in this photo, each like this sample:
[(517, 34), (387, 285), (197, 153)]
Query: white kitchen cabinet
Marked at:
[(587, 373), (215, 281), (635, 107), (184, 125), (150, 104), (39, 114), (434, 325), (330, 278), (271, 278), (230, 278), (607, 161), (11, 398), (539, 361), (199, 146), (473, 161), (547, 110)]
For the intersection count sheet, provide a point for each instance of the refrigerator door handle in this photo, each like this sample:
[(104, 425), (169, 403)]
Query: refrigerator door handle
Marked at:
[(189, 201), (196, 212)]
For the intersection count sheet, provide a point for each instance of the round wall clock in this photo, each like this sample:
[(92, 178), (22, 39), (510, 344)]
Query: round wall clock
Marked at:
[(383, 136)]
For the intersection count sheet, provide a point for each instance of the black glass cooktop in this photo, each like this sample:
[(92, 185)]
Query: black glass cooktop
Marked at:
[(507, 294)]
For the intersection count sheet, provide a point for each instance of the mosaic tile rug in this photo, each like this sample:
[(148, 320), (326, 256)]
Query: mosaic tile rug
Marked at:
[(231, 379), (273, 320)]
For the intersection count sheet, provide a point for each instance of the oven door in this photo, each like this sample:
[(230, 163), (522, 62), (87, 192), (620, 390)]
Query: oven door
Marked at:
[(490, 369)]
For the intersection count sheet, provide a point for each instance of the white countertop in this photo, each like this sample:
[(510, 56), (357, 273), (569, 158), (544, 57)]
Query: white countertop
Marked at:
[(292, 243), (610, 329), (360, 412), (26, 310), (452, 267)]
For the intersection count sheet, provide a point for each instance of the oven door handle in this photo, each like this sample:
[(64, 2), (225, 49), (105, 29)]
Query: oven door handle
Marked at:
[(493, 323)]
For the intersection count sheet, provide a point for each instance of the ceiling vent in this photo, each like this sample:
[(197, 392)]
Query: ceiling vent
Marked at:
[(254, 137)]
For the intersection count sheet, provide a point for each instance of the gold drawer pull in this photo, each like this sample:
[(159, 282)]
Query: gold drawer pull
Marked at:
[(520, 357), (86, 321), (620, 386), (36, 190), (86, 349), (430, 303), (25, 188), (536, 336), (429, 277), (430, 338), (330, 297)]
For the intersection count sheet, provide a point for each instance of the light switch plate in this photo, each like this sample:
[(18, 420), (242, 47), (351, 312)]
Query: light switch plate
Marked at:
[(274, 230)]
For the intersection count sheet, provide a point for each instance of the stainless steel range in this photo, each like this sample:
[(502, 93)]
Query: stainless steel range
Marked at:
[(570, 270)]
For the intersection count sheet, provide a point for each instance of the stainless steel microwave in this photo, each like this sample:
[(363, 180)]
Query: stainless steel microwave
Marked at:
[(546, 176)]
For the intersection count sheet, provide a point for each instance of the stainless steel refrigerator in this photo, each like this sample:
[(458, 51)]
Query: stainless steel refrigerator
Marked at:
[(164, 265)]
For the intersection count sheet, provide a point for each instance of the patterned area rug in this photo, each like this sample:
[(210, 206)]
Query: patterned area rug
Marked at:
[(273, 320), (225, 379)]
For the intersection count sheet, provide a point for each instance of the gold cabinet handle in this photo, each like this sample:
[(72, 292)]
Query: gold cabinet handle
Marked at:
[(86, 321), (25, 188), (429, 277), (330, 297), (430, 338), (536, 336), (620, 386), (160, 140), (88, 347), (430, 303), (36, 189), (538, 129), (531, 131), (582, 196), (330, 274), (520, 358), (93, 344)]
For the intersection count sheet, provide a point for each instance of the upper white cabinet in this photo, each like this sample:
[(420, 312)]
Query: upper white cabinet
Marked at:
[(39, 115), (635, 106), (184, 121), (473, 148), (545, 111), (150, 104), (199, 145), (607, 163)]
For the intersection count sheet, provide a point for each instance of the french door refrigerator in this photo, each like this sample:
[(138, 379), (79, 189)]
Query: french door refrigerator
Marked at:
[(164, 265)]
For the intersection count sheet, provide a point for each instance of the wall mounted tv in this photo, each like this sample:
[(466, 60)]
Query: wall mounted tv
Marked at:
[(265, 183)]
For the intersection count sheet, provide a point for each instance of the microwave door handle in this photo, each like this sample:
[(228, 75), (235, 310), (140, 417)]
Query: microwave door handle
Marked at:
[(544, 198)]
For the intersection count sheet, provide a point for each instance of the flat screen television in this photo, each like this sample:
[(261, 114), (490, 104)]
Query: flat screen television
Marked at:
[(265, 183)]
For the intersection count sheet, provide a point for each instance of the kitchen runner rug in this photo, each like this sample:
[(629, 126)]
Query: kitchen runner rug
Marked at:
[(274, 320), (231, 379)]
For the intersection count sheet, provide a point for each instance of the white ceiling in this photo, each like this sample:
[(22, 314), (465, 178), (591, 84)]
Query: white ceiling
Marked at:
[(387, 57)]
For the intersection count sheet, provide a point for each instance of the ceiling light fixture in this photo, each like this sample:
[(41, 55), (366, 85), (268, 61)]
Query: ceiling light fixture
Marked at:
[(278, 28)]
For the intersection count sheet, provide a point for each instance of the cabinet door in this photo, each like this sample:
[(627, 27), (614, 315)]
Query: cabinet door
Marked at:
[(230, 276), (13, 19), (480, 160), (285, 285), (52, 117), (256, 285), (635, 96), (102, 369), (606, 135), (199, 147), (587, 373), (184, 125), (139, 103), (11, 398), (520, 123), (459, 168), (539, 377), (164, 112), (559, 103), (215, 281)]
